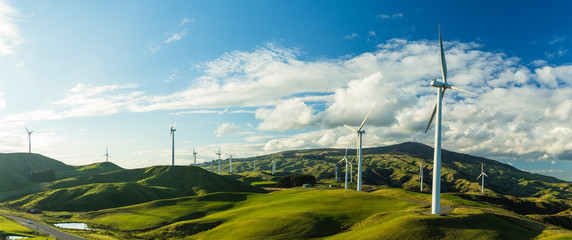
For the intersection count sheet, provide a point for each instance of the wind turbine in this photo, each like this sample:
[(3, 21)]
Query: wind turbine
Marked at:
[(106, 155), (352, 170), (230, 163), (345, 158), (218, 153), (29, 139), (441, 87), (173, 143), (359, 144), (273, 165), (195, 156), (254, 165), (421, 174), (483, 175), (336, 172)]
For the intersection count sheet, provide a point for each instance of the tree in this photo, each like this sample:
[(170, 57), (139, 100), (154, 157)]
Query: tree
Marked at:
[(296, 180), (47, 175)]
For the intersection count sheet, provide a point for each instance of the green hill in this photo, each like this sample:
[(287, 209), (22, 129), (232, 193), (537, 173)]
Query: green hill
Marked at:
[(127, 187), (15, 169), (310, 214), (398, 166), (91, 169)]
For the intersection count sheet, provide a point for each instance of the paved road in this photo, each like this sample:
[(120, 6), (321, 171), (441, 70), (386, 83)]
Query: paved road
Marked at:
[(44, 228)]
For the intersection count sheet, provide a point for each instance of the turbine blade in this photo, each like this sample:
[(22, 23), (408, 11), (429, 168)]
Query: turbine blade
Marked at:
[(431, 119), (350, 128), (480, 175), (485, 174), (365, 119), (458, 89), (443, 63), (342, 160), (434, 111), (345, 155)]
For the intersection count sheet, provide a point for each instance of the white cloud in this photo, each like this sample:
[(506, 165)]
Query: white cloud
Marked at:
[(390, 16), (173, 37), (521, 112), (10, 35), (227, 128), (351, 36), (290, 114)]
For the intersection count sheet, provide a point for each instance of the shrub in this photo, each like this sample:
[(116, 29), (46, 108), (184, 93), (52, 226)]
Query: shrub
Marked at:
[(296, 180)]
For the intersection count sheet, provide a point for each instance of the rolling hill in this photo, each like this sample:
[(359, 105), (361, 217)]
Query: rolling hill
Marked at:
[(312, 214), (127, 187), (398, 166)]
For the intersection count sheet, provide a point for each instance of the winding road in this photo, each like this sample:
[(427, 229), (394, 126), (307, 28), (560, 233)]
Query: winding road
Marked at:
[(44, 228)]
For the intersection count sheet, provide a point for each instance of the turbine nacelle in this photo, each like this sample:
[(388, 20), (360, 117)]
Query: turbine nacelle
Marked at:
[(436, 83)]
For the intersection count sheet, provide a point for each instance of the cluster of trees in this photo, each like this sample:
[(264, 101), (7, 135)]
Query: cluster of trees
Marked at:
[(42, 176), (296, 180)]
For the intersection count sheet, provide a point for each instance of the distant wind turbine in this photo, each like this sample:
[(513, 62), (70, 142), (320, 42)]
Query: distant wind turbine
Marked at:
[(195, 156), (273, 165), (218, 153), (345, 158), (359, 132), (106, 155), (441, 87), (173, 143), (29, 139), (421, 174), (336, 172), (483, 175), (352, 170), (230, 164), (254, 165)]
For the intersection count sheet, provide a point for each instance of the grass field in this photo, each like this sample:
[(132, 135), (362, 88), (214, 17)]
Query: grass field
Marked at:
[(311, 214)]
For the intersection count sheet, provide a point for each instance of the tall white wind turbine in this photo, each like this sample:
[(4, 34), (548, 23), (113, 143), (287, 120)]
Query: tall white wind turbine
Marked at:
[(359, 132), (195, 156), (106, 155), (441, 87), (345, 158), (483, 175), (29, 139), (218, 153), (173, 143)]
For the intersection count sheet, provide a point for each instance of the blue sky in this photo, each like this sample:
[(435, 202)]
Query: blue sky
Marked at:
[(256, 77)]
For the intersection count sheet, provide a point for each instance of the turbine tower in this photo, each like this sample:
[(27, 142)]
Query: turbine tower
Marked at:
[(421, 174), (352, 170), (29, 140), (106, 155), (345, 158), (254, 165), (230, 163), (173, 143), (273, 166), (336, 172), (483, 175), (218, 153), (441, 87), (195, 156), (359, 132)]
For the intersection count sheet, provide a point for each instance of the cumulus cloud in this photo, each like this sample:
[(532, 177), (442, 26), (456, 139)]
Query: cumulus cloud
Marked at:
[(290, 114), (522, 111), (227, 128), (10, 35)]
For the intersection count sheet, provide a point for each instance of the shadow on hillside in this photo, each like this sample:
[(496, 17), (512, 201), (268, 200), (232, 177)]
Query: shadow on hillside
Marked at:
[(504, 226)]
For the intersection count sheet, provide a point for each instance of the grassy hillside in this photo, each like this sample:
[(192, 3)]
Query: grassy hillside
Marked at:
[(127, 187), (15, 168), (91, 169), (398, 166), (309, 214)]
